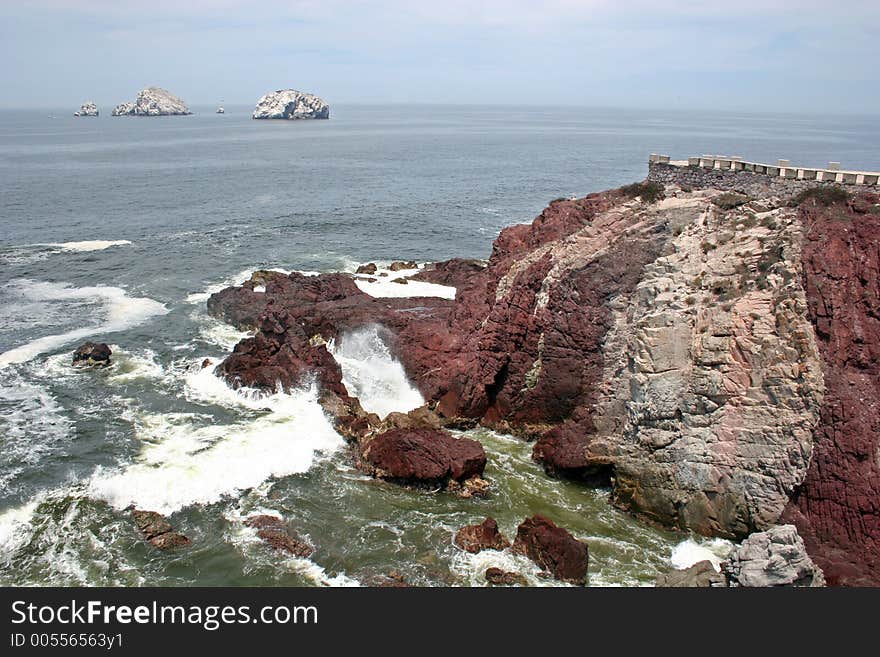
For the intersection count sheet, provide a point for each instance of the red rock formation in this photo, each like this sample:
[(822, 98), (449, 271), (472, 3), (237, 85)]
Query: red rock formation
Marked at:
[(553, 548), (837, 508), (423, 457), (485, 536)]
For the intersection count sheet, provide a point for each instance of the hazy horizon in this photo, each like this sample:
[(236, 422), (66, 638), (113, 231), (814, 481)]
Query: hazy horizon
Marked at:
[(750, 56)]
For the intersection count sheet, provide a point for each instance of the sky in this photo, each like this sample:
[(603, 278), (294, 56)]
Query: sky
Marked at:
[(781, 56)]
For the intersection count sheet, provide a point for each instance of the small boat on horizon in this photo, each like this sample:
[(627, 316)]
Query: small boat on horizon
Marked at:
[(220, 110)]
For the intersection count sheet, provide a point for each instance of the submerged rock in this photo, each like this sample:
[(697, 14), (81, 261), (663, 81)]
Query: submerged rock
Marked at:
[(776, 557), (273, 531), (485, 536), (153, 101), (422, 457), (291, 104), (701, 574), (94, 354), (87, 109), (498, 577), (553, 548), (157, 530)]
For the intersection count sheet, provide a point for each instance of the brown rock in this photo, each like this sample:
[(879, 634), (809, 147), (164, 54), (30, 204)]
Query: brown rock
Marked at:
[(281, 540), (422, 456), (485, 536), (553, 548), (369, 269), (157, 530), (498, 577), (264, 522), (408, 264), (151, 524), (95, 354), (169, 540)]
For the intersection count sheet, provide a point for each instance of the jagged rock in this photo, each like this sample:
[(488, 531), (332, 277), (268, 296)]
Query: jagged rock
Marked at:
[(485, 536), (400, 265), (153, 101), (776, 557), (701, 574), (498, 577), (422, 456), (553, 548), (157, 530), (87, 109), (94, 354), (370, 269), (273, 531), (291, 104), (453, 273)]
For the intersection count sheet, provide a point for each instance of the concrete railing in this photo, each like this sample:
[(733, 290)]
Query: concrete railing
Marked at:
[(782, 169)]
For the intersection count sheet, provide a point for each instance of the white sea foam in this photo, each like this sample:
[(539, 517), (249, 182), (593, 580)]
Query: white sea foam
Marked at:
[(184, 461), (690, 551), (372, 375), (15, 526), (384, 286), (32, 425), (120, 312), (89, 245), (132, 366)]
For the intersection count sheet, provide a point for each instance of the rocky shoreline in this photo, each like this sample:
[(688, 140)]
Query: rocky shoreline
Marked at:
[(712, 357)]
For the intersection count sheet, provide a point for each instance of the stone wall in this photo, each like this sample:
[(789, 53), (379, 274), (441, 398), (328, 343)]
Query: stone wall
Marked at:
[(753, 179)]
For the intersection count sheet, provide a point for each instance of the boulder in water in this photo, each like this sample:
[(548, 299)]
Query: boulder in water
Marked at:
[(273, 531), (157, 530), (422, 456), (553, 548), (94, 354), (291, 104), (485, 536), (498, 577)]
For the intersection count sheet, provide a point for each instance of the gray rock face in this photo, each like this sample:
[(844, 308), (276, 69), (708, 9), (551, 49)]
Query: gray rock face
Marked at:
[(88, 108), (712, 381), (291, 104), (153, 101), (776, 557)]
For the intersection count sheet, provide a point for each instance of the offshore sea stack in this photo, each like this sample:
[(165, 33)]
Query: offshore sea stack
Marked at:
[(712, 357), (153, 101), (291, 104), (87, 109)]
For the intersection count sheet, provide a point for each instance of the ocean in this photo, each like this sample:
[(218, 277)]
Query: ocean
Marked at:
[(118, 229)]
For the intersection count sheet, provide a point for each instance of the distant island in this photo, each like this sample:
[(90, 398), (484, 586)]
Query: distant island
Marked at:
[(88, 108), (291, 104), (153, 101)]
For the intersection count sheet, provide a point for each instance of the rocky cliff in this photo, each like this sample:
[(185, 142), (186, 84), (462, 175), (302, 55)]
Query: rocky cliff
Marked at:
[(153, 101), (291, 104), (710, 356)]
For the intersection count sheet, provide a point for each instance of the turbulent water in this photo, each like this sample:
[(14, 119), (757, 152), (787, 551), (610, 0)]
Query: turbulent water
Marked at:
[(118, 229)]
